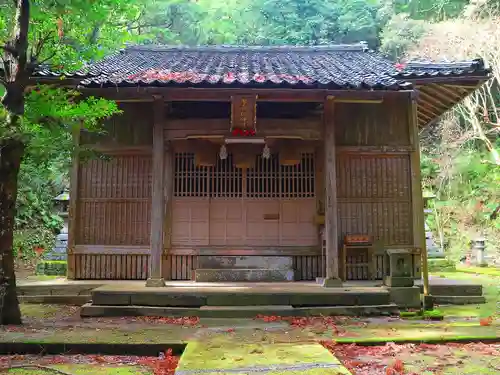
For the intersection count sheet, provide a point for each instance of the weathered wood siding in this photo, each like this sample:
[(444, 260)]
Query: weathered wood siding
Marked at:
[(374, 197), (114, 198), (382, 124), (133, 127), (115, 201), (374, 188)]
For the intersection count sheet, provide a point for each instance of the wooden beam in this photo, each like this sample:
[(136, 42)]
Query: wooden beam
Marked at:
[(425, 112), (225, 94), (418, 219), (455, 81), (331, 210), (112, 250), (73, 202), (457, 93), (443, 102), (157, 198), (359, 101)]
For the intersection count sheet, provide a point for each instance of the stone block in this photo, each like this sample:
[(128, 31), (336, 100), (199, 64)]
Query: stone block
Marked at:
[(459, 300), (247, 299), (405, 297), (245, 262), (164, 300), (324, 299), (398, 281), (116, 298), (250, 275)]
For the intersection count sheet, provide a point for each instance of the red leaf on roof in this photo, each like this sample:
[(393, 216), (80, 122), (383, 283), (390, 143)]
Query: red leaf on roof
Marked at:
[(400, 66)]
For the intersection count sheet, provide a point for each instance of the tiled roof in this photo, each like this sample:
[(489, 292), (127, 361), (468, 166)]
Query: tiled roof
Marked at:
[(329, 67)]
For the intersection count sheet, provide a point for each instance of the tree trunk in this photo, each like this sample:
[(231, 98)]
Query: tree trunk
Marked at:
[(11, 153)]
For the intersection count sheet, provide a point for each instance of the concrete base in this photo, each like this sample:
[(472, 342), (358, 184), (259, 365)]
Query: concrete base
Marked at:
[(393, 281), (405, 297), (155, 283), (332, 283), (88, 310), (239, 274), (428, 302)]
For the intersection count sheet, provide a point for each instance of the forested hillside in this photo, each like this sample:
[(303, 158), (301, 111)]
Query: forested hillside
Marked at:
[(461, 161)]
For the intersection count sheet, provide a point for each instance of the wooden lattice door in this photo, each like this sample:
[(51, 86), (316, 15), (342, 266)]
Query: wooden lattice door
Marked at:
[(266, 205)]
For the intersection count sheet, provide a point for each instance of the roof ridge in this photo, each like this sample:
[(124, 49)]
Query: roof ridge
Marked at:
[(358, 47)]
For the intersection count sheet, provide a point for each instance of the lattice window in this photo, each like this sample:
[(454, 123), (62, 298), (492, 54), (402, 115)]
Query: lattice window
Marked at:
[(269, 179), (222, 180)]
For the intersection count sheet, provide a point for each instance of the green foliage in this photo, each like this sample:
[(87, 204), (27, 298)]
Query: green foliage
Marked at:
[(441, 265), (318, 21), (467, 194), (52, 268), (400, 34)]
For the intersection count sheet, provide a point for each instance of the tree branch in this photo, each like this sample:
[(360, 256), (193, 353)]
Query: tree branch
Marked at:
[(9, 50)]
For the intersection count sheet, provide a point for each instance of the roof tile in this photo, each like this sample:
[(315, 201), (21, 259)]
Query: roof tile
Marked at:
[(332, 67)]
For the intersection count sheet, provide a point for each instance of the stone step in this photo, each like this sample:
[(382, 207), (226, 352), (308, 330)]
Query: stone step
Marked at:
[(89, 310), (73, 300), (243, 274), (456, 289), (244, 295), (245, 262), (458, 300), (223, 357)]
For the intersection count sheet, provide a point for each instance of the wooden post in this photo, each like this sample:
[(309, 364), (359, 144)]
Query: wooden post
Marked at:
[(157, 197), (331, 211), (168, 193), (416, 193), (73, 203)]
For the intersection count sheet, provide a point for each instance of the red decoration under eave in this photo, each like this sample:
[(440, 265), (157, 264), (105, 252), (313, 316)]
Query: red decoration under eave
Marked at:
[(243, 132)]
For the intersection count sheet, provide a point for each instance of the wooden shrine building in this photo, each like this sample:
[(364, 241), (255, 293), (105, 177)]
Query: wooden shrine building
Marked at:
[(255, 163)]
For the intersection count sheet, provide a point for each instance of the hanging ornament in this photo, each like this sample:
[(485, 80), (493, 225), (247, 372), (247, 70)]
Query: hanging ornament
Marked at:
[(223, 152), (266, 152)]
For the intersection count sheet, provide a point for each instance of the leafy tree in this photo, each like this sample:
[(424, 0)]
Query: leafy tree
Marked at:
[(38, 120), (319, 21)]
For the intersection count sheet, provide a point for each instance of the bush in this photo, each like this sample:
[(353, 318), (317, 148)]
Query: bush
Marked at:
[(52, 268), (441, 265)]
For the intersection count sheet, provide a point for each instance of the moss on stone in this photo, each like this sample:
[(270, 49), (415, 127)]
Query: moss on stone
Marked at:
[(223, 354), (80, 369)]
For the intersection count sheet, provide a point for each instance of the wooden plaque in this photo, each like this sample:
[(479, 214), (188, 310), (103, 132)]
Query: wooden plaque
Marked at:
[(244, 112)]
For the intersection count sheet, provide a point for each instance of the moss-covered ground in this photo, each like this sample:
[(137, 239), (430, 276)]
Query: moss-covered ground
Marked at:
[(86, 369), (271, 341), (491, 291)]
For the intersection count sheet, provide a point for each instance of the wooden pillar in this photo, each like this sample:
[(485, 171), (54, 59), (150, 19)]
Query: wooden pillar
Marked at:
[(73, 203), (168, 193), (331, 211), (157, 197), (416, 193)]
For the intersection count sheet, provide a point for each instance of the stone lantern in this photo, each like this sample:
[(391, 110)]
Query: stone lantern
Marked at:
[(433, 251), (62, 208)]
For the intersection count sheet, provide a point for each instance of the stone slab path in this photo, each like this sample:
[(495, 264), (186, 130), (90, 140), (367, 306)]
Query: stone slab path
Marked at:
[(216, 357)]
